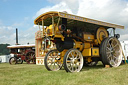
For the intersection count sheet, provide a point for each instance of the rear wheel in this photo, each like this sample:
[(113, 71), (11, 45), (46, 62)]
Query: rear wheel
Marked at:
[(111, 52), (30, 57), (12, 60), (73, 60), (52, 60)]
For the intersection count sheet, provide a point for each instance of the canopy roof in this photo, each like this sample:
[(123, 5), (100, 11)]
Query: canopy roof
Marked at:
[(21, 46), (46, 15)]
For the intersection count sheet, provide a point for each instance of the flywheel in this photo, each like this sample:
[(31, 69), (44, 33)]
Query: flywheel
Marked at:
[(101, 33)]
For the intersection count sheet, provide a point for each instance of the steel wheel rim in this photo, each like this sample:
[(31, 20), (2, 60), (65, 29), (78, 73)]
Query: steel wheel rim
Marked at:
[(53, 61), (13, 61), (30, 57), (74, 61), (114, 52)]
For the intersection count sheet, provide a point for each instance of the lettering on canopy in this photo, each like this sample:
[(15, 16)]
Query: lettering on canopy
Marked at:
[(69, 16)]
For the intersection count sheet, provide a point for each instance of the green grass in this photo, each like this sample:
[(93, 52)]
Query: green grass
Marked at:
[(30, 74)]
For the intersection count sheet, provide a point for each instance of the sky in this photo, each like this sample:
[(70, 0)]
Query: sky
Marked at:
[(21, 14)]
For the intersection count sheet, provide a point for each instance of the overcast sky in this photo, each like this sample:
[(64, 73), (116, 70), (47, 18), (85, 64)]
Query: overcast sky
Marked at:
[(21, 14)]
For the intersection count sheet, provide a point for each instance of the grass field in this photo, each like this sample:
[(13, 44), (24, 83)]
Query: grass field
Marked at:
[(30, 74)]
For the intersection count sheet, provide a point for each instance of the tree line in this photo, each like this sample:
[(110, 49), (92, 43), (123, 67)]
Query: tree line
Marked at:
[(3, 49)]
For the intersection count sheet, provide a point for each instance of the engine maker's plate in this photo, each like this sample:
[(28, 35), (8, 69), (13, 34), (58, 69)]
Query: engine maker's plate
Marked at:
[(101, 33)]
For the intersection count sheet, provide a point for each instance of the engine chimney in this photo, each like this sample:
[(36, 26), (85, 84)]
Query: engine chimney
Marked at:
[(16, 36)]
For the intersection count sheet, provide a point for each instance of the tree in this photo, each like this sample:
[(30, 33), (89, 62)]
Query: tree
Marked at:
[(3, 49)]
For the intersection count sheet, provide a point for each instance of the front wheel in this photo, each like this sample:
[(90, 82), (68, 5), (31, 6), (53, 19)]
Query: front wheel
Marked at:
[(12, 61), (73, 60), (52, 61)]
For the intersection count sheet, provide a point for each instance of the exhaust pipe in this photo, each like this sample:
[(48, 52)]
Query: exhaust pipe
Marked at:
[(16, 36)]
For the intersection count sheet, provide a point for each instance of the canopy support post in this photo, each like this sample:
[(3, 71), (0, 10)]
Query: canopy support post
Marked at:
[(53, 25), (43, 27)]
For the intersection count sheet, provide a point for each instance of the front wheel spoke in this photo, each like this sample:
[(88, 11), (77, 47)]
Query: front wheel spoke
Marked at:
[(57, 58), (50, 65), (73, 67), (49, 58), (77, 65), (55, 65), (72, 55), (78, 57), (70, 58), (59, 65), (69, 65), (49, 61), (69, 61)]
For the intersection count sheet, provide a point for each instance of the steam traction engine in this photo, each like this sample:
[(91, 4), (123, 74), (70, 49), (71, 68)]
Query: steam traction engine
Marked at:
[(22, 53), (78, 41)]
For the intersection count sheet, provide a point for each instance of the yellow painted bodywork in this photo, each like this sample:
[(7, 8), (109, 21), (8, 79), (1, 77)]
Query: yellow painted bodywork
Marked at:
[(101, 34), (63, 52), (49, 30), (87, 45), (88, 37), (78, 45), (62, 55), (95, 51), (86, 52)]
